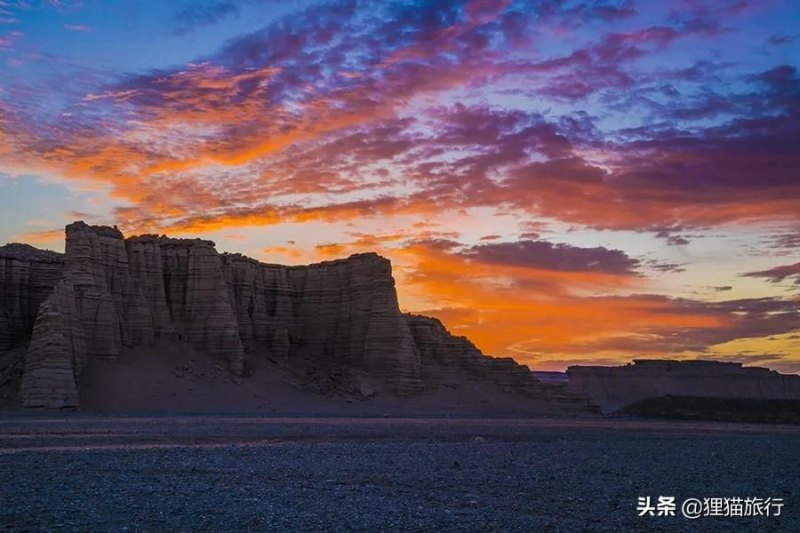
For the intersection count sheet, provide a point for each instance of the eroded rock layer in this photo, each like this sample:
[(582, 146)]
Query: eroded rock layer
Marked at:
[(338, 321)]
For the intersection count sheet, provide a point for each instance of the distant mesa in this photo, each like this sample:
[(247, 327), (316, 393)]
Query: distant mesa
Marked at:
[(551, 377), (688, 385), (90, 320)]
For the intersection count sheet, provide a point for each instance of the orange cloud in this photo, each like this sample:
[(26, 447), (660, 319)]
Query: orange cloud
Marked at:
[(524, 312), (47, 238)]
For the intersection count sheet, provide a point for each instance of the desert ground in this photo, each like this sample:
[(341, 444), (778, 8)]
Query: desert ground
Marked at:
[(96, 472)]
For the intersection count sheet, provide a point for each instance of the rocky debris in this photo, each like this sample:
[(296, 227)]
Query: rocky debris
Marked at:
[(366, 390), (228, 474), (613, 388)]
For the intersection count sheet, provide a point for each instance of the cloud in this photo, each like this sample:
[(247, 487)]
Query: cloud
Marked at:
[(571, 115), (560, 310), (323, 103), (46, 237), (13, 11), (780, 40), (672, 240), (205, 13), (80, 28), (735, 320), (549, 256), (779, 273), (8, 40), (786, 241), (663, 266)]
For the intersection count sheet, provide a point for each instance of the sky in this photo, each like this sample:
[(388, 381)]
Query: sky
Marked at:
[(563, 182)]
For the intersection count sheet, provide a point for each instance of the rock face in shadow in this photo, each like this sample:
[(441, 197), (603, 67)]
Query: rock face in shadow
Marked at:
[(336, 325), (337, 314), (27, 277), (114, 293), (57, 353), (198, 300), (614, 388), (444, 357)]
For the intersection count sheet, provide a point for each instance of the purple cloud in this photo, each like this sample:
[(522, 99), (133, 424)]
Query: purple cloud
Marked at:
[(80, 28), (8, 40), (205, 13), (559, 257), (779, 273)]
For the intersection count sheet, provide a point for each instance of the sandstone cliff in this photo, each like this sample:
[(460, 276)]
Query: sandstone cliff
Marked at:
[(336, 324)]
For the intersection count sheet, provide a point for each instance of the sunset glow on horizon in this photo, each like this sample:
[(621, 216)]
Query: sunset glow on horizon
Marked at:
[(562, 182)]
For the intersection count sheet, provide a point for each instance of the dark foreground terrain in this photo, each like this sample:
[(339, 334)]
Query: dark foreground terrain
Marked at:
[(722, 409), (77, 472)]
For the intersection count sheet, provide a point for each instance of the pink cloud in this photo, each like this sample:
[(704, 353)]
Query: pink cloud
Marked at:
[(77, 27), (8, 40)]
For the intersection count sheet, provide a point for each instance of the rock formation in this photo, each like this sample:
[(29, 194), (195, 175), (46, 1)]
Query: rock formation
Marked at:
[(444, 355), (27, 277), (114, 294), (336, 323), (613, 388), (57, 353), (337, 314)]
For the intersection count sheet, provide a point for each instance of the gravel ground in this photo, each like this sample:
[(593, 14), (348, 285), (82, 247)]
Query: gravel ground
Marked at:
[(83, 473)]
